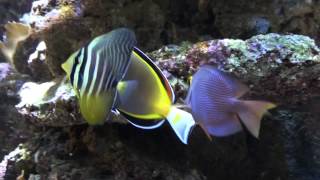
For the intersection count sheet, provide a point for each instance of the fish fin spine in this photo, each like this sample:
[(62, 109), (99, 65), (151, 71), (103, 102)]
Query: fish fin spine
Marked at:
[(205, 131)]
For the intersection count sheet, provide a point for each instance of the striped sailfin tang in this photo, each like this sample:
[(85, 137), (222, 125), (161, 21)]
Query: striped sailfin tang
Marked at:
[(105, 61), (97, 69)]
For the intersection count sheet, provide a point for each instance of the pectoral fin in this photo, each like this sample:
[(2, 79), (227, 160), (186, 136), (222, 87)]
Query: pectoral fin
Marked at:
[(124, 89)]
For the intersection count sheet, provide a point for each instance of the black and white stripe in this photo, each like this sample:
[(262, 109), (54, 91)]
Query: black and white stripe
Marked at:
[(103, 62)]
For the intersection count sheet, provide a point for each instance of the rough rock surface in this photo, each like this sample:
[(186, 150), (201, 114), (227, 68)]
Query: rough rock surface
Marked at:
[(13, 129), (280, 68), (242, 19), (284, 69), (167, 21), (170, 21)]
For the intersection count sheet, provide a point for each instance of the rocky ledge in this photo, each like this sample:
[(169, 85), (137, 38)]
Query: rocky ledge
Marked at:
[(58, 144)]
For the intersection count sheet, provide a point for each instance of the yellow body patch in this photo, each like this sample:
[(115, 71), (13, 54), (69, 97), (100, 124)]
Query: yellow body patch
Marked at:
[(142, 94), (95, 109), (67, 65)]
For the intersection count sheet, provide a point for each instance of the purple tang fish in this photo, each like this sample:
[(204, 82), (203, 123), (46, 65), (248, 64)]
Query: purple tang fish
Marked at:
[(215, 105)]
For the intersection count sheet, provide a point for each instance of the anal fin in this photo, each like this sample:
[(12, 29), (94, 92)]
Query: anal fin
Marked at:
[(140, 123)]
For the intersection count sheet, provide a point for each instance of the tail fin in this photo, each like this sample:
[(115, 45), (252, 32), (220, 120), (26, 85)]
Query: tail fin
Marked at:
[(251, 113), (181, 122), (15, 32)]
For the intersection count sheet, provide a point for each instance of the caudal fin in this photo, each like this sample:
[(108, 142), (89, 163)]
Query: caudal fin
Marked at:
[(181, 122), (15, 32), (251, 113)]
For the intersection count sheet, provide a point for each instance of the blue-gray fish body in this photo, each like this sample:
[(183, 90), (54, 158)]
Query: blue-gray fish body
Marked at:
[(213, 99)]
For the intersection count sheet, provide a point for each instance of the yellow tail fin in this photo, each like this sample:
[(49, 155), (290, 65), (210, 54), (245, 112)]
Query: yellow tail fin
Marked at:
[(251, 113)]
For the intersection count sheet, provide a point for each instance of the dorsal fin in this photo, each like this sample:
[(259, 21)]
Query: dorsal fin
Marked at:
[(162, 77)]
